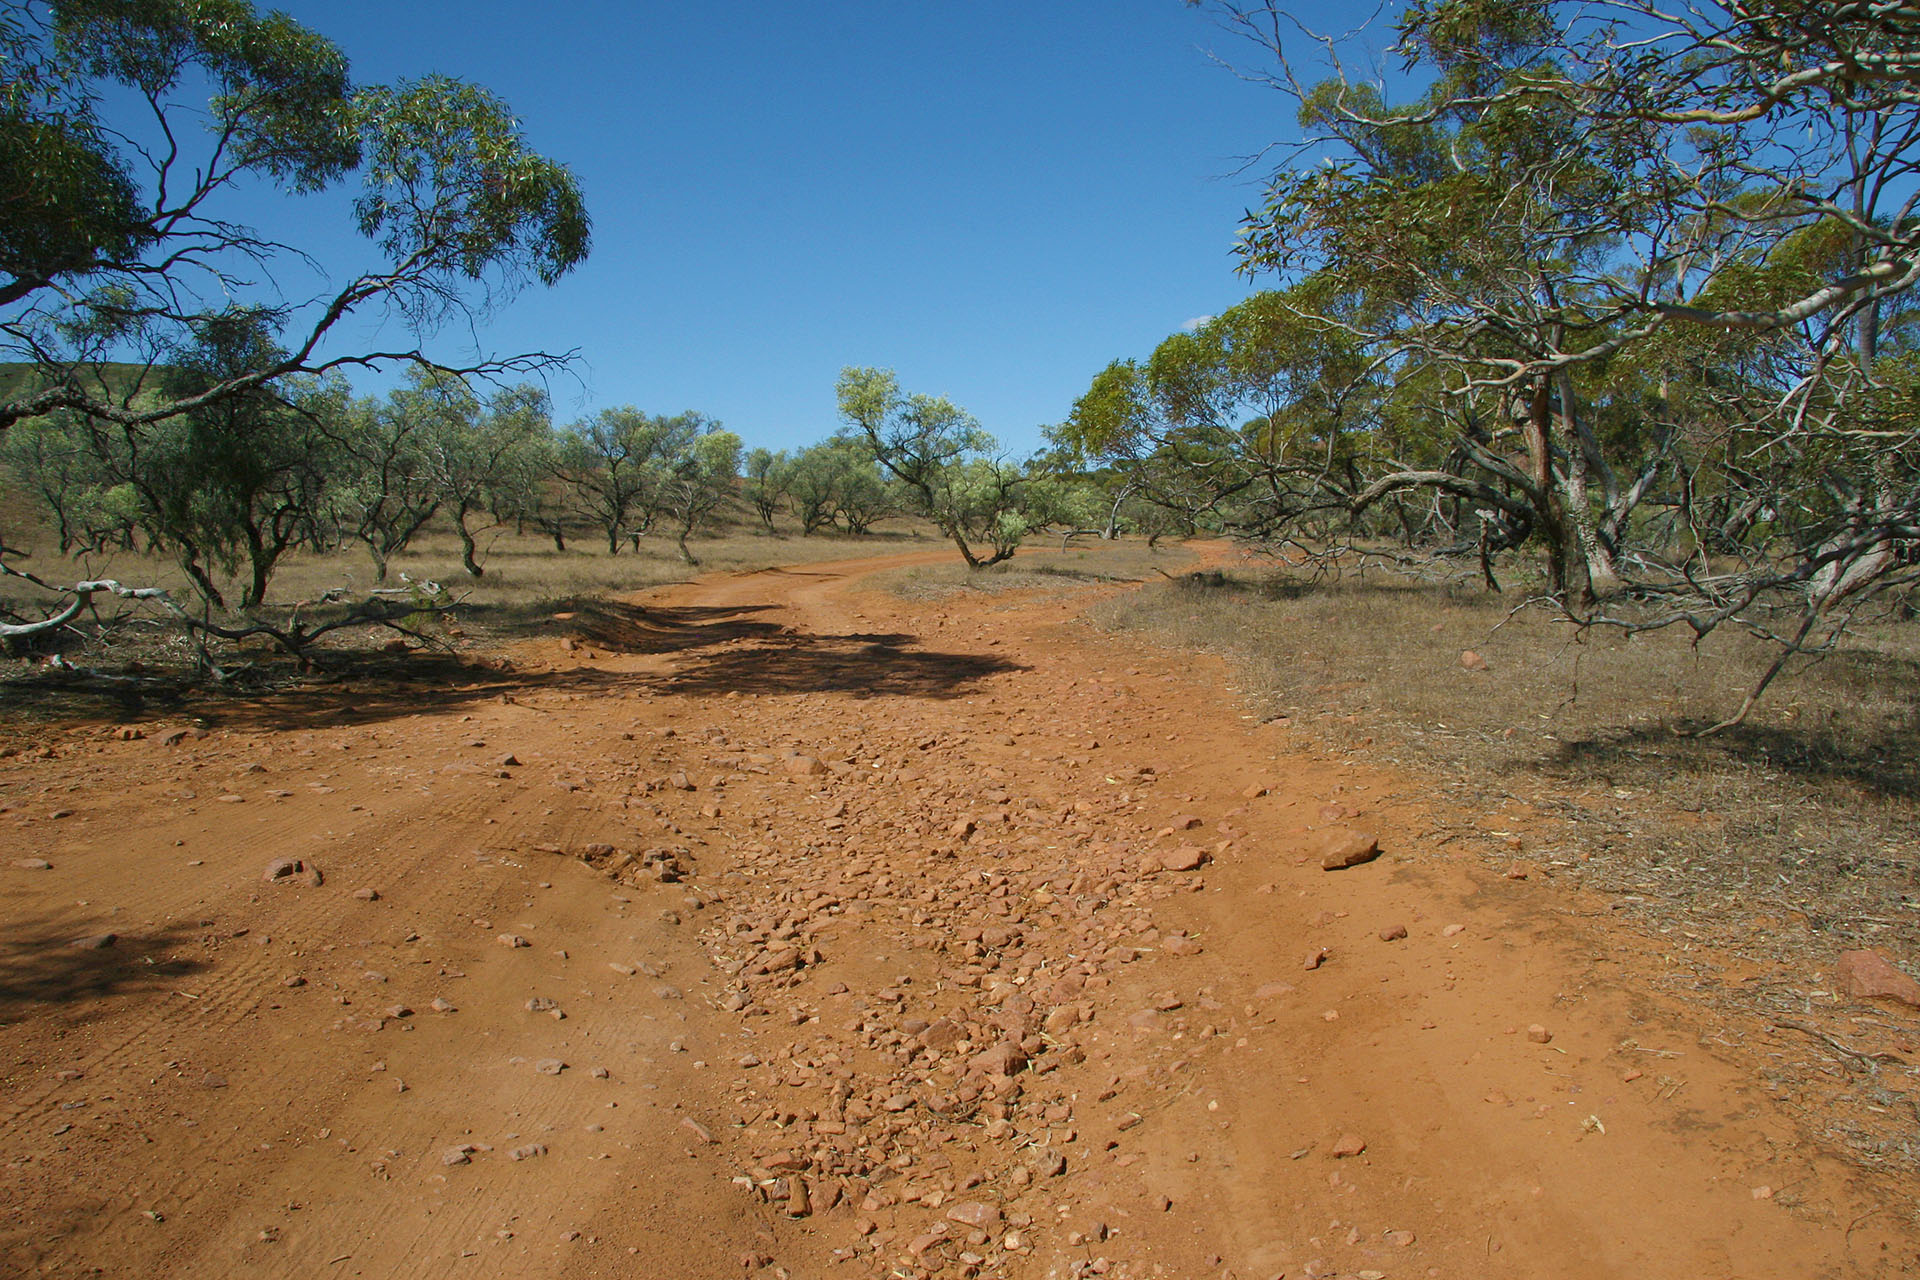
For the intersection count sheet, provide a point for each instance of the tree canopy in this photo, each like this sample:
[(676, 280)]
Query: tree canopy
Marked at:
[(127, 129)]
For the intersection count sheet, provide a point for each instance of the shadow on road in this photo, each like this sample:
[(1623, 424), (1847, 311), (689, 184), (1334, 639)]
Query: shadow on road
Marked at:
[(41, 966), (715, 650), (861, 666)]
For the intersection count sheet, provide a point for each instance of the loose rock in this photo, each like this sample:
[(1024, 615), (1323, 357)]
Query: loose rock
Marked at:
[(1341, 848)]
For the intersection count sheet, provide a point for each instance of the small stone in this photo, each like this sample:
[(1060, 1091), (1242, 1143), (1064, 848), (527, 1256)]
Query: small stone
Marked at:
[(282, 869), (527, 1152), (1393, 933), (1472, 661), (440, 1004), (804, 767), (1003, 1059), (1316, 957), (547, 1005), (1049, 1163), (550, 1066), (1347, 1145), (456, 1155), (33, 864), (1539, 1034), (367, 895), (699, 1131), (1453, 930), (975, 1214), (512, 940), (212, 1080), (96, 941)]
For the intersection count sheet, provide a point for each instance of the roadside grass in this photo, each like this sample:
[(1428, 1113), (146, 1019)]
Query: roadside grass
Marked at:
[(525, 582), (1040, 566), (1753, 855)]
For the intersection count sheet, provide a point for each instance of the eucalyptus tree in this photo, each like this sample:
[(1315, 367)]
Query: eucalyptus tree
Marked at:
[(481, 459), (945, 463), (229, 486), (604, 462), (697, 479), (767, 476), (1571, 193), (52, 458), (1249, 423), (128, 135), (387, 493)]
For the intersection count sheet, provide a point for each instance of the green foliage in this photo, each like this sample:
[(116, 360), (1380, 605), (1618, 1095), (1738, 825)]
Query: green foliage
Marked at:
[(113, 247), (944, 463)]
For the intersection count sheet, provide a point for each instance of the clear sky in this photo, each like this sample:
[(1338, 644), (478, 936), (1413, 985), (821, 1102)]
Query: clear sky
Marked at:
[(995, 199)]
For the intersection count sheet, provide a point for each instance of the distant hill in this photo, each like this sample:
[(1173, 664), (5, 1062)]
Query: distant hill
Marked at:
[(18, 377)]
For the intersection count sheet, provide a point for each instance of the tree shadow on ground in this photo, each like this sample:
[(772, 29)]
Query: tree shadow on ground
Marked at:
[(863, 666), (620, 627), (718, 650), (40, 966), (1881, 763)]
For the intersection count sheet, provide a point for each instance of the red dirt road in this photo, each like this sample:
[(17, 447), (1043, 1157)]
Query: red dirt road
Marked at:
[(861, 917)]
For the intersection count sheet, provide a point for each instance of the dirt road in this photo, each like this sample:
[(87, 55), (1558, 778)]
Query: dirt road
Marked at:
[(770, 926)]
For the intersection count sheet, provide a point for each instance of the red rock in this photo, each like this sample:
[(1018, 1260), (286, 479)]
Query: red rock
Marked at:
[(1472, 661), (1188, 857), (1341, 848), (1870, 975), (804, 767), (1060, 1019), (1003, 1059), (1393, 933), (1348, 1144), (943, 1035), (1316, 957), (1539, 1034), (975, 1214), (1179, 945)]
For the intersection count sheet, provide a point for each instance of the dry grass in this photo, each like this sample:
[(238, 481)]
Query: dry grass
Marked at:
[(1042, 567), (526, 581), (523, 571), (1753, 855)]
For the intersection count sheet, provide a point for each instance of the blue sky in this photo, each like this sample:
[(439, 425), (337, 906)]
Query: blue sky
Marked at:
[(994, 199)]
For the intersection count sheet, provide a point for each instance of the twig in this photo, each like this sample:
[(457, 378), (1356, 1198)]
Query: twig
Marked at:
[(1837, 1045)]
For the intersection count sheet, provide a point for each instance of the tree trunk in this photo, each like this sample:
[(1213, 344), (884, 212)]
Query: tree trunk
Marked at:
[(197, 574), (1538, 432), (469, 560)]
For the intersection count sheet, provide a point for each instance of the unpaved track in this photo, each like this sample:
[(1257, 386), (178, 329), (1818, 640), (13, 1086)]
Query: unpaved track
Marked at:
[(916, 995)]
